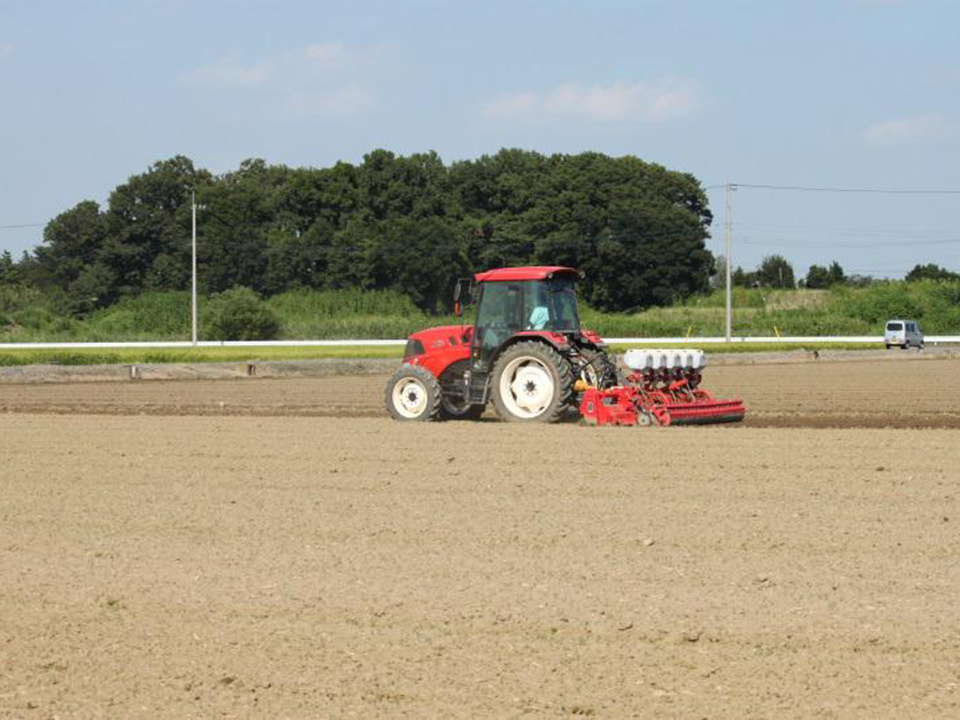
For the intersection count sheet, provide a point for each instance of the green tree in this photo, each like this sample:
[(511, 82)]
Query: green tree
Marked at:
[(392, 222), (636, 229), (148, 242), (818, 278), (930, 271), (775, 272), (70, 258), (741, 278), (9, 272), (232, 240), (835, 274), (417, 257)]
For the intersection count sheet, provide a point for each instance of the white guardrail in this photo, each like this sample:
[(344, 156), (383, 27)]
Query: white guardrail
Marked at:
[(186, 344)]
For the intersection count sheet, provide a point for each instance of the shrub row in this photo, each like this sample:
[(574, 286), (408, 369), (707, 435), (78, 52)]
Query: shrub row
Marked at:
[(336, 314)]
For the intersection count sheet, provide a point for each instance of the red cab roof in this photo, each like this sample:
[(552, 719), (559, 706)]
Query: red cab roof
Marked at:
[(525, 273)]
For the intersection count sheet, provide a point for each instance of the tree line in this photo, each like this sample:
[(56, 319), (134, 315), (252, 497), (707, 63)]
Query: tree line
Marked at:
[(775, 271), (408, 223)]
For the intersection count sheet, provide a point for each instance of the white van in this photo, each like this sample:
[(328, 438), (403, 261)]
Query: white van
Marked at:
[(903, 333)]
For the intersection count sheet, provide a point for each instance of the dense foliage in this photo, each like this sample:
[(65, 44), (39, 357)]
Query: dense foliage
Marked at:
[(345, 314), (239, 314), (408, 224), (819, 277), (930, 271), (774, 271)]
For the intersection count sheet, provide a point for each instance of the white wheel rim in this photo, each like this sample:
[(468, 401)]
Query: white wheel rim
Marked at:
[(410, 397), (526, 387)]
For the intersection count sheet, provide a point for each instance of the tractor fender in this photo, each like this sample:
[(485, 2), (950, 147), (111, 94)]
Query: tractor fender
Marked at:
[(558, 341)]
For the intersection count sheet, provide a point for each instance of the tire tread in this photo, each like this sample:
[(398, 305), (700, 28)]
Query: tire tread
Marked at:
[(431, 384), (545, 353)]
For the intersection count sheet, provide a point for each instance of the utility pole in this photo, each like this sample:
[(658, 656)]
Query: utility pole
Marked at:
[(729, 228), (193, 276)]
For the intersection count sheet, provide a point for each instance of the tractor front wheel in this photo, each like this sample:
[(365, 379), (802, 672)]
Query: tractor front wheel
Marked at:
[(413, 394), (531, 382)]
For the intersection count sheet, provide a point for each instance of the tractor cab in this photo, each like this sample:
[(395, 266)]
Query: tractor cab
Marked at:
[(513, 303)]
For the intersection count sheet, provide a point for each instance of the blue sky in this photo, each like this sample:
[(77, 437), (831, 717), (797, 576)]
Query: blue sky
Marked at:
[(847, 93)]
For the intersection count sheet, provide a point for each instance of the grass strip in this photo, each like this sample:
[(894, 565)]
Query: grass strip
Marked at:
[(145, 356)]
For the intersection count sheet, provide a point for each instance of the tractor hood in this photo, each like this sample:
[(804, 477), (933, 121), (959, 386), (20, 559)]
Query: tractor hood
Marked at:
[(447, 336)]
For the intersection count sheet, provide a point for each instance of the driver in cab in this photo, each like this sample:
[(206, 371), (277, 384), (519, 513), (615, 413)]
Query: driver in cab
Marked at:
[(540, 315)]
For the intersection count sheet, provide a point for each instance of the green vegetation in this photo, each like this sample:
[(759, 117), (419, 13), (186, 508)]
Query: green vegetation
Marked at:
[(240, 314), (353, 314), (373, 251), (391, 223), (84, 356), (135, 356), (841, 310), (350, 314)]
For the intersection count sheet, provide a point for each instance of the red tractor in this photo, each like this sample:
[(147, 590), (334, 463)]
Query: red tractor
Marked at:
[(528, 354)]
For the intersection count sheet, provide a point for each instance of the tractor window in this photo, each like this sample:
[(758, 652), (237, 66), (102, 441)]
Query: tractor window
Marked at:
[(564, 306), (536, 306), (498, 313), (550, 305)]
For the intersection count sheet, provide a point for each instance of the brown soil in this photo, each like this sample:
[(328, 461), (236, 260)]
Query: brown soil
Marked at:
[(198, 563), (921, 393)]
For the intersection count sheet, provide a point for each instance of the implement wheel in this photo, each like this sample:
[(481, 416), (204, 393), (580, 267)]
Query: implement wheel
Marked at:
[(531, 382), (413, 395)]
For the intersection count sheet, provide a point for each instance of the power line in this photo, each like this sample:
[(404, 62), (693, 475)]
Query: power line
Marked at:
[(861, 246), (873, 191), (21, 226), (833, 230)]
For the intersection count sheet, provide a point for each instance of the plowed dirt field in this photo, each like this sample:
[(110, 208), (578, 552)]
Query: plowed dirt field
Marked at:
[(279, 548)]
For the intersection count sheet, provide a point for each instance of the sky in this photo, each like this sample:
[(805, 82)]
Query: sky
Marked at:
[(847, 94)]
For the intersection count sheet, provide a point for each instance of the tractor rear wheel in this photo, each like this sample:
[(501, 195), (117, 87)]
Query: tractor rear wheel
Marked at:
[(413, 394), (599, 370), (531, 382)]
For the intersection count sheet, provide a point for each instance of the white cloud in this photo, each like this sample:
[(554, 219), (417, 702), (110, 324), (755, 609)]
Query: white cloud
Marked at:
[(328, 78), (920, 128), (227, 72), (328, 58), (329, 53), (653, 102), (349, 99)]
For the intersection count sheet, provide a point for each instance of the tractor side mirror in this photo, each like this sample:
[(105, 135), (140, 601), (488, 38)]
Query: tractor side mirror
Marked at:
[(457, 291), (462, 295)]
